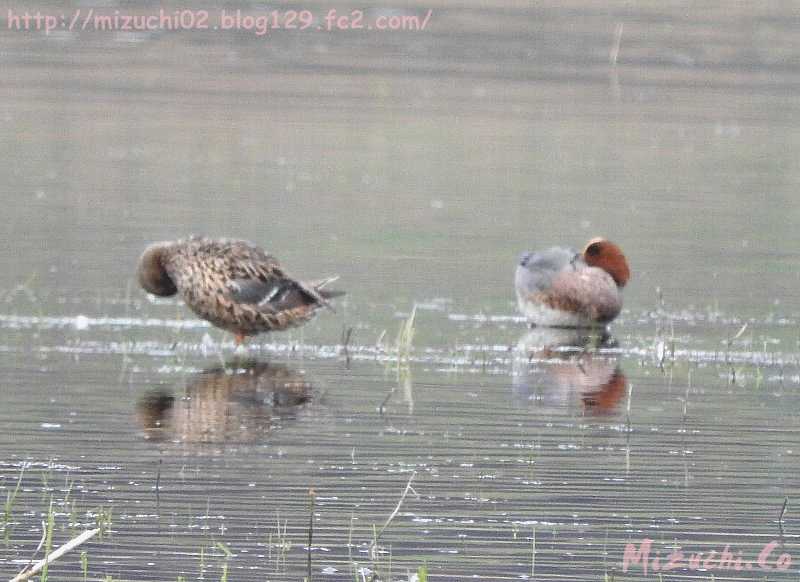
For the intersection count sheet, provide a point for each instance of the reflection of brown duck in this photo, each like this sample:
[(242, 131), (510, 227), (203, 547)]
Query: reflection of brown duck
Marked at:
[(226, 404), (554, 367)]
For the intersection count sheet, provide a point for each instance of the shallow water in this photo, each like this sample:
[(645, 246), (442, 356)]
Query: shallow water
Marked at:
[(417, 167)]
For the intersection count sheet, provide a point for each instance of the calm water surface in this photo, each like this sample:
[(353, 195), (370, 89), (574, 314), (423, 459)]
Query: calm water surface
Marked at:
[(417, 166)]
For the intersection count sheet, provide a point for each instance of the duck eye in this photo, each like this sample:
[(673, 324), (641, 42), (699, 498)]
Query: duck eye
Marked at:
[(593, 249)]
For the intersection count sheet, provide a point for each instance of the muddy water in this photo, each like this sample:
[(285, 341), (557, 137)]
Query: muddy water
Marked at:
[(417, 166)]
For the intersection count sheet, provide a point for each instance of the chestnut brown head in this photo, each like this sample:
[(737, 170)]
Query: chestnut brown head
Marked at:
[(604, 254), (152, 275)]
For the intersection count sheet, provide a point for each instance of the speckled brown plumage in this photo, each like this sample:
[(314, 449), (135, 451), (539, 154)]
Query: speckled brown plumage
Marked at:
[(232, 284)]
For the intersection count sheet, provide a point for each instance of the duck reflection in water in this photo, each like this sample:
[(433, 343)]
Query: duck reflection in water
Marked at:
[(562, 368), (237, 403)]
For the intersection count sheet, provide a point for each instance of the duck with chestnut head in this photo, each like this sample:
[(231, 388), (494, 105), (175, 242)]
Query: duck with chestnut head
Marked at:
[(233, 284), (559, 287)]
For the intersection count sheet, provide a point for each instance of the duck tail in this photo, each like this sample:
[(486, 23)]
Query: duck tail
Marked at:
[(327, 293), (315, 289)]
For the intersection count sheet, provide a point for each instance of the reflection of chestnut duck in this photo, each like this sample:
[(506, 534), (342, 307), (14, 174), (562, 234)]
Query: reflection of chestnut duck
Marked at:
[(553, 366), (236, 404), (599, 382)]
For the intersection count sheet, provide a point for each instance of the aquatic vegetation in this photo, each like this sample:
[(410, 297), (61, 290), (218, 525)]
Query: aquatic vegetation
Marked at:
[(8, 506), (227, 556), (103, 520), (405, 338), (43, 565), (48, 544), (311, 498), (49, 523), (281, 541), (377, 534), (85, 564)]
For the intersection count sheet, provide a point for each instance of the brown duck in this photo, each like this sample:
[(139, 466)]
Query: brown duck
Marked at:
[(232, 284)]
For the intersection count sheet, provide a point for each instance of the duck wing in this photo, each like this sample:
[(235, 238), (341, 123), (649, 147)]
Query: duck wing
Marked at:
[(272, 294), (537, 270), (256, 278)]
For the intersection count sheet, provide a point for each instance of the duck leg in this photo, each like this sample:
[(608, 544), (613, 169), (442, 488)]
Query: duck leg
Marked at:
[(239, 339)]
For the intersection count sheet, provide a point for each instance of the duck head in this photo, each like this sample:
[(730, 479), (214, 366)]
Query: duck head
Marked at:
[(152, 275), (604, 254)]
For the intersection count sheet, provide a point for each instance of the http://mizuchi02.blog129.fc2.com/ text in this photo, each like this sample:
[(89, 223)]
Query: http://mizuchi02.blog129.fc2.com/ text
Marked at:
[(258, 23)]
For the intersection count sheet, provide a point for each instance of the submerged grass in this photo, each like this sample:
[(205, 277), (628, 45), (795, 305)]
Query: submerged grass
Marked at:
[(280, 541), (377, 534), (405, 339), (8, 507), (48, 543), (227, 556), (85, 564), (53, 520), (103, 519)]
